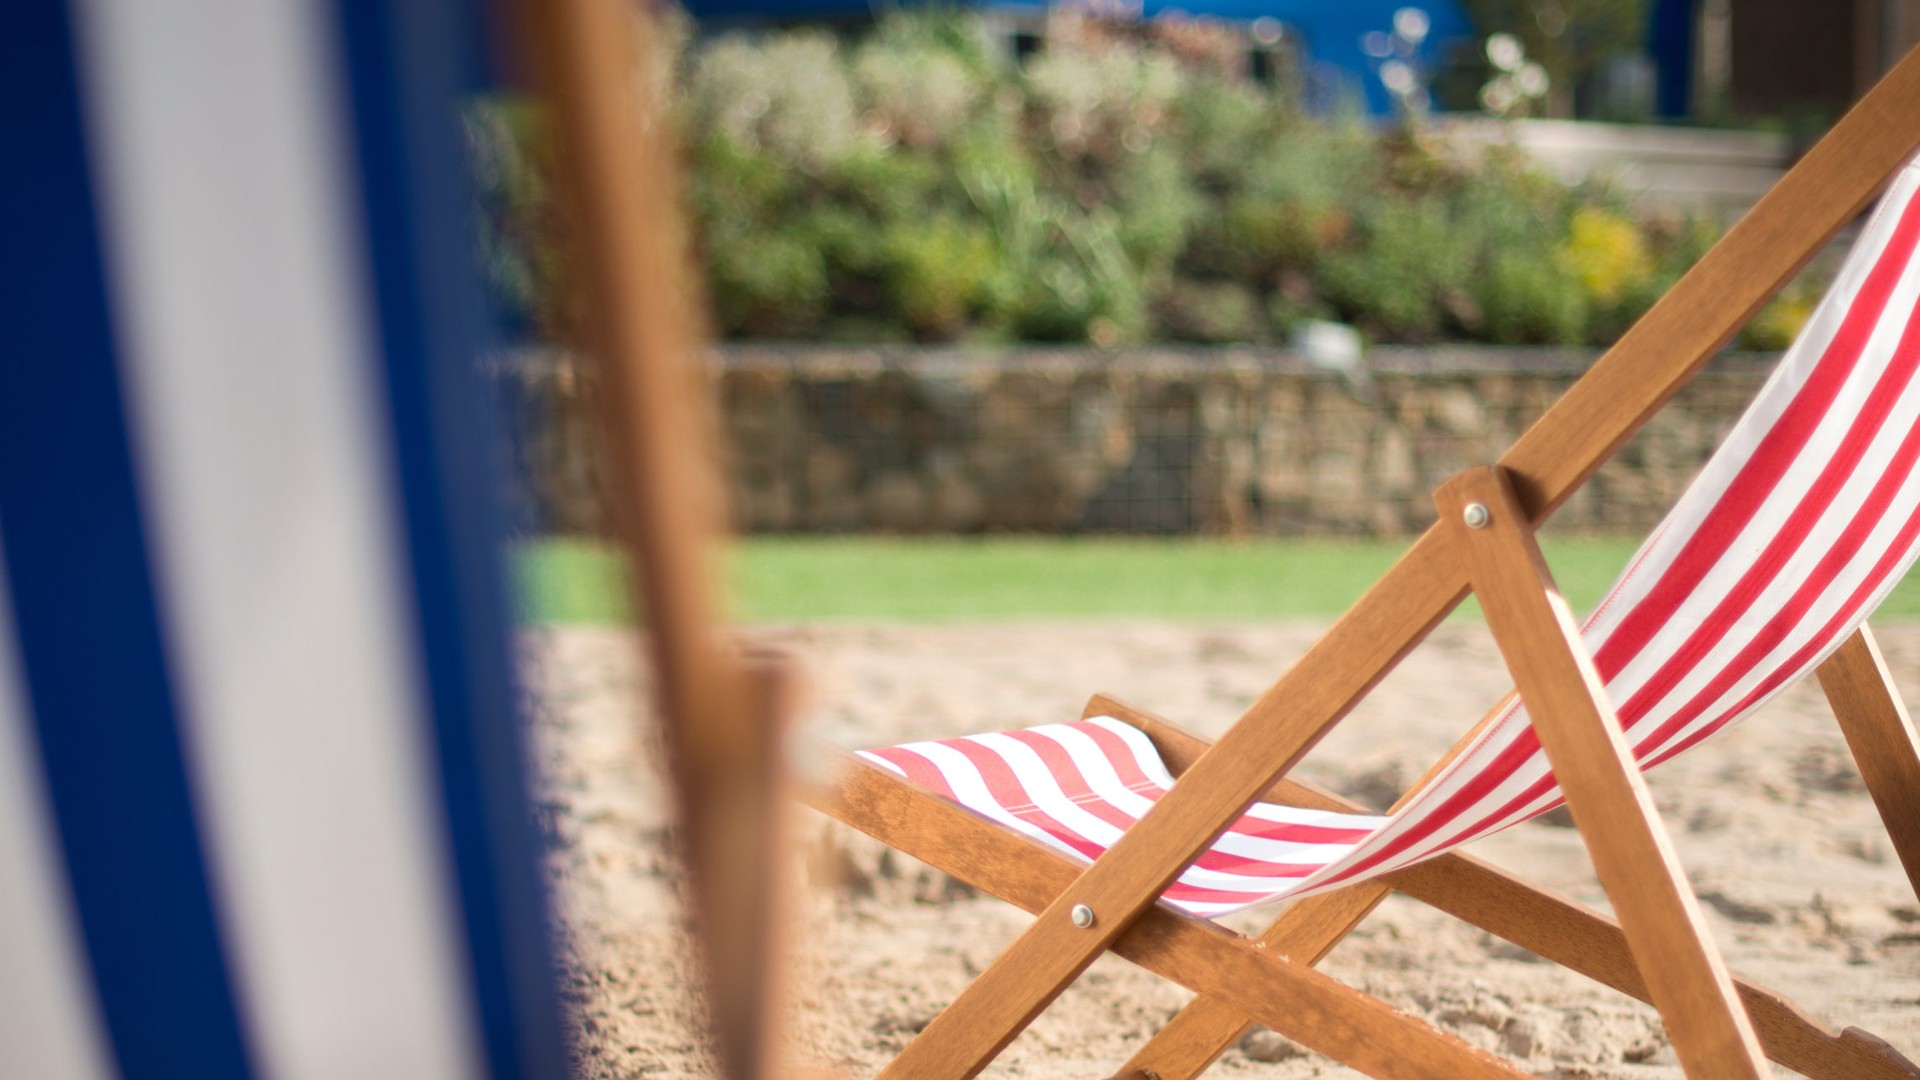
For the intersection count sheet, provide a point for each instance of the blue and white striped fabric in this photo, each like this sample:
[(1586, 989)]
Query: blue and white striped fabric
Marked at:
[(262, 809)]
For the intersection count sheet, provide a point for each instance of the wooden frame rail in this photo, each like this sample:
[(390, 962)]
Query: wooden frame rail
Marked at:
[(1320, 1012), (1595, 768)]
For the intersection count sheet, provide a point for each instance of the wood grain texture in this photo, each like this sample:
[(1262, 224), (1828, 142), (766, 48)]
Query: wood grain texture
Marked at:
[(1631, 851), (1555, 927), (1881, 736), (1207, 1027), (1315, 1010), (718, 717)]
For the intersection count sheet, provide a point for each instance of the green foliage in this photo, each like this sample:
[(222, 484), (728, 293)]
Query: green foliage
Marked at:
[(1529, 292), (768, 278), (1390, 281), (1530, 298), (775, 287), (1606, 252), (1673, 245), (1162, 206), (1284, 202), (1221, 124), (789, 95), (1101, 106), (1116, 189), (1211, 312), (917, 89), (938, 272), (1065, 275)]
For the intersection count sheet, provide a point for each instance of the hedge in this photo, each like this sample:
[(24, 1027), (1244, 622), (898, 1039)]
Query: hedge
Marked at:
[(1120, 186)]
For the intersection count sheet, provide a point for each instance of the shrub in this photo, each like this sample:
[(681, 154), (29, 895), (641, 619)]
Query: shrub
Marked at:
[(1079, 286), (518, 220), (1674, 244), (918, 91), (1064, 271), (777, 286), (938, 272), (738, 185), (788, 94), (911, 185), (1285, 201), (1161, 208), (1530, 298), (1392, 282), (1101, 106), (1220, 124), (884, 183), (1210, 312)]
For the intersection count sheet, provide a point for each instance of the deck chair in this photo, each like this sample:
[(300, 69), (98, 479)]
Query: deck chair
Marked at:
[(263, 809), (1124, 833)]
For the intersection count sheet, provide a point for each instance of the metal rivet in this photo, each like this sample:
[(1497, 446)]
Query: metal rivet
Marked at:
[(1477, 516), (1082, 916)]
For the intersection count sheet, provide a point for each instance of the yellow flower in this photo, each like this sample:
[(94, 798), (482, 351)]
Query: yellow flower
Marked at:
[(1605, 251)]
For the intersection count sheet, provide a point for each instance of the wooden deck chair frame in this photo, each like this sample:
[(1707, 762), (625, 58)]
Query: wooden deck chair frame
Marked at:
[(1483, 542)]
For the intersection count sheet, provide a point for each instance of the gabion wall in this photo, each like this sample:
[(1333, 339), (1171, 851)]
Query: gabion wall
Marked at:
[(1222, 442)]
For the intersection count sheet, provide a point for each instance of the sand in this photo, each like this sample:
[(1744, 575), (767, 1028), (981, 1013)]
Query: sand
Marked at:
[(1802, 890)]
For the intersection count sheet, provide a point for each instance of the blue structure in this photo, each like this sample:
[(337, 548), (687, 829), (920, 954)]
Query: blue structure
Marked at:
[(1670, 34), (263, 806), (1329, 31)]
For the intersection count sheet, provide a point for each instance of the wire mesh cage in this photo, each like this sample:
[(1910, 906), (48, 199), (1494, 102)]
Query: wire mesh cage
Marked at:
[(1150, 442)]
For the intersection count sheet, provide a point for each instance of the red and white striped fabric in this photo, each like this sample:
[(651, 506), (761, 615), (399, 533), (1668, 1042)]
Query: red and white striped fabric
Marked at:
[(1078, 786), (1795, 530)]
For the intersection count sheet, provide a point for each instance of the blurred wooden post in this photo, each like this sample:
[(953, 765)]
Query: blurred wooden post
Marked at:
[(719, 713)]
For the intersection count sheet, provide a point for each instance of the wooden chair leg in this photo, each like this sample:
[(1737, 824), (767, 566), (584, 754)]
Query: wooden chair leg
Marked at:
[(1203, 1030), (1315, 1010), (1358, 651), (1881, 736), (1552, 926), (1196, 1037), (1631, 852), (1538, 920)]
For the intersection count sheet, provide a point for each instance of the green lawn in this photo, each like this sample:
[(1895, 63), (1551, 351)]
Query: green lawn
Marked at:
[(782, 579)]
